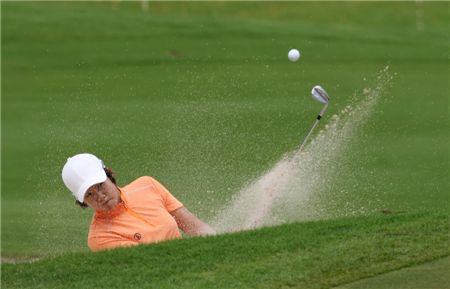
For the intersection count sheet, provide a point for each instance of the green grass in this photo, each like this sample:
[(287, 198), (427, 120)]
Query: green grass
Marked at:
[(431, 275), (202, 97), (305, 255)]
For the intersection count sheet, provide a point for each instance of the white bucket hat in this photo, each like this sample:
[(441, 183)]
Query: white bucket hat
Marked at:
[(81, 172)]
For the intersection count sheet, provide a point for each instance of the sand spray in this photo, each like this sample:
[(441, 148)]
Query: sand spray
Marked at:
[(288, 191)]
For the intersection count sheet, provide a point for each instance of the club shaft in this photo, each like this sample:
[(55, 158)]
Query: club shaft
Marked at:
[(319, 116)]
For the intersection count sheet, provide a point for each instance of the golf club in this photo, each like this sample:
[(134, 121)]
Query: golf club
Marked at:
[(319, 94)]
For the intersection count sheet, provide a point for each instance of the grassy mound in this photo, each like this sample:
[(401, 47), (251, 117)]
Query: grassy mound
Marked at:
[(302, 255)]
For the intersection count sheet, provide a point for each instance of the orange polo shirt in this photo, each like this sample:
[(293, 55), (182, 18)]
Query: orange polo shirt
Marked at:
[(142, 217)]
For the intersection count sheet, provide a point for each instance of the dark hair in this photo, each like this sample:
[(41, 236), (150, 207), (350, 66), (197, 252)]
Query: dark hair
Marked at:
[(110, 175)]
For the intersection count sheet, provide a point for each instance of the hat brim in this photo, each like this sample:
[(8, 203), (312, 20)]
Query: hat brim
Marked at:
[(99, 177)]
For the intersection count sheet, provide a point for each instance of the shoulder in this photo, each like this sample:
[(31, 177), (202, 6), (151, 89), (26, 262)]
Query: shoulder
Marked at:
[(139, 183)]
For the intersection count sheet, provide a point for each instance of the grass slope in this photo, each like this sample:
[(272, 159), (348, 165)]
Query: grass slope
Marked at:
[(303, 255)]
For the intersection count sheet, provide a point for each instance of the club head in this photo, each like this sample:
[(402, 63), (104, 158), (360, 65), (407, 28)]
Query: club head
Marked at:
[(319, 94)]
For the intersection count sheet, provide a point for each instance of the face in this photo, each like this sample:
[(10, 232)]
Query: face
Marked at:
[(103, 196)]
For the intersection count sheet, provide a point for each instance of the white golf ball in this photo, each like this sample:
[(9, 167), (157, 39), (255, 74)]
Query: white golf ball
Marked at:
[(293, 55)]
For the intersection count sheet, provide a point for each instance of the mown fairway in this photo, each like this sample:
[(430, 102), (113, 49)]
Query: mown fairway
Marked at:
[(202, 97)]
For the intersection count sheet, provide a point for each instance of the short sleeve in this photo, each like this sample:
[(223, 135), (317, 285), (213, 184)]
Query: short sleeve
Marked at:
[(170, 202)]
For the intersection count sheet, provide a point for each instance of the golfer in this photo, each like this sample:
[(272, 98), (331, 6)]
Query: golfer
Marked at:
[(143, 211)]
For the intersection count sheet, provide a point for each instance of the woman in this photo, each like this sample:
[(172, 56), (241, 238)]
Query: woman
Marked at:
[(143, 211)]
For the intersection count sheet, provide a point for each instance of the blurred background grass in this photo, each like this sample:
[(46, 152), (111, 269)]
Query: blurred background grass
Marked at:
[(201, 96)]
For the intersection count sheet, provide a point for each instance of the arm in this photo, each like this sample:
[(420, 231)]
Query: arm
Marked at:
[(190, 224)]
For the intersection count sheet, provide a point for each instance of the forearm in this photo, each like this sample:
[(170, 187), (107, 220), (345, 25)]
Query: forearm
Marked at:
[(198, 228), (190, 224)]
